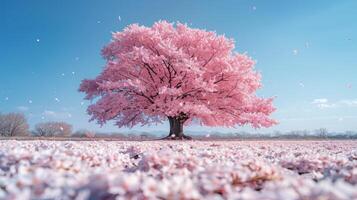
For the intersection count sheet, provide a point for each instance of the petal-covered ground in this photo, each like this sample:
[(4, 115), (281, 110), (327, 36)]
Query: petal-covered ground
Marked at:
[(178, 170)]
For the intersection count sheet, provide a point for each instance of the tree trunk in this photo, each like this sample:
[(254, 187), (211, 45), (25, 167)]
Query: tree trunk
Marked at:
[(176, 129)]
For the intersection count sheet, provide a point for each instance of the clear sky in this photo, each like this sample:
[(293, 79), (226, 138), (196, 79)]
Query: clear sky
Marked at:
[(306, 51)]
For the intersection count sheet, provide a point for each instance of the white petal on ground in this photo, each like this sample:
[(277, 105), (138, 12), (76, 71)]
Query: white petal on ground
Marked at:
[(178, 170)]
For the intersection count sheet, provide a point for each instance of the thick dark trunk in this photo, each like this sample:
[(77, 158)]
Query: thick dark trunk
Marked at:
[(176, 129)]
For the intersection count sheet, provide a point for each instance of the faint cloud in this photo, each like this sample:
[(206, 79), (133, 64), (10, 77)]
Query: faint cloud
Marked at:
[(323, 103), (22, 108), (318, 101), (55, 115), (349, 102), (338, 118), (49, 113)]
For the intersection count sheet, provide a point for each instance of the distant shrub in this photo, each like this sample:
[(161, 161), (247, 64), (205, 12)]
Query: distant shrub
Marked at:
[(53, 129), (84, 133), (13, 124)]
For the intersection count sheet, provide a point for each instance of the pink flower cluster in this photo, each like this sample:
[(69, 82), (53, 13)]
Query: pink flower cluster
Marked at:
[(283, 170)]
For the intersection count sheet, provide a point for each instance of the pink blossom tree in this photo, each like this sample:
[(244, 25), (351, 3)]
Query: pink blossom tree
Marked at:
[(177, 73)]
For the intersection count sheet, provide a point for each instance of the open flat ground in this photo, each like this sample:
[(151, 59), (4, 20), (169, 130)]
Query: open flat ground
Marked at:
[(251, 170)]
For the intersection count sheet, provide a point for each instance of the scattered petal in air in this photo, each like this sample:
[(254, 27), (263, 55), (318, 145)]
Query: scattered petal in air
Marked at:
[(63, 74), (208, 135), (254, 8), (302, 84), (98, 22), (42, 117), (6, 98), (38, 40), (295, 52), (76, 58), (82, 103), (56, 99), (30, 101), (119, 18), (73, 73)]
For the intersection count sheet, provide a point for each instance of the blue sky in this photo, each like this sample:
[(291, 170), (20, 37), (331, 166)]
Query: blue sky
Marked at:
[(306, 52)]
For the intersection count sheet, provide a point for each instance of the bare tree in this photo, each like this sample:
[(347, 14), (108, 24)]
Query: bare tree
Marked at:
[(53, 129), (13, 124), (322, 132)]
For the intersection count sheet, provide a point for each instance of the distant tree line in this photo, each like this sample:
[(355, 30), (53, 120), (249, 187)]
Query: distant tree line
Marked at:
[(15, 125), (321, 133)]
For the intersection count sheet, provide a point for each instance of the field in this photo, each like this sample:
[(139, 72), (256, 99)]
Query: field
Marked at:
[(178, 170)]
